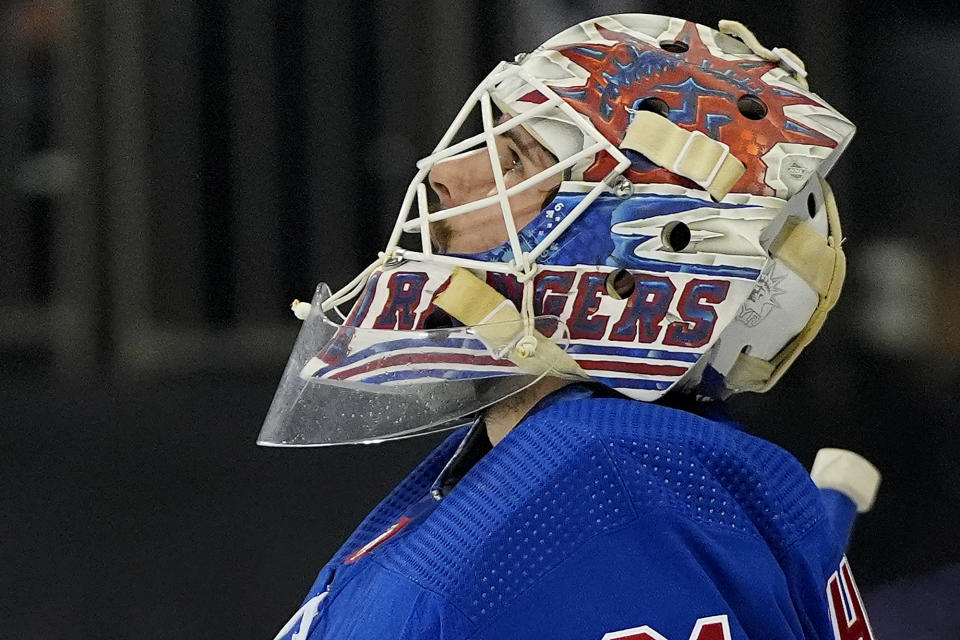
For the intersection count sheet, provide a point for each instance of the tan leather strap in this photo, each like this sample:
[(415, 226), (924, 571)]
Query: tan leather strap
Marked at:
[(496, 321), (806, 252), (749, 373), (691, 154), (785, 57), (825, 271)]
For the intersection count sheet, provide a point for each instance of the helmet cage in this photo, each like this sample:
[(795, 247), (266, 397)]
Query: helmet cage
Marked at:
[(523, 262)]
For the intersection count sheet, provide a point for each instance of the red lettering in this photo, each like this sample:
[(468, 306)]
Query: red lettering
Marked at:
[(637, 633), (715, 628), (585, 322), (846, 608), (399, 312), (506, 284), (359, 312), (699, 319), (645, 310), (712, 628), (551, 290)]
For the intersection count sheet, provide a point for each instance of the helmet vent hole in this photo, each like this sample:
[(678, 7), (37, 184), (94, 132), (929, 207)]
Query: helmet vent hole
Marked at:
[(620, 284), (675, 236), (812, 206), (752, 107), (674, 46), (438, 319), (654, 105)]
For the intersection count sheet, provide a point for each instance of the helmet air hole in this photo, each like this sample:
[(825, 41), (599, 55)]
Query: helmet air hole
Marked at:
[(751, 107), (812, 206), (438, 319), (655, 105), (674, 46), (675, 236), (620, 284)]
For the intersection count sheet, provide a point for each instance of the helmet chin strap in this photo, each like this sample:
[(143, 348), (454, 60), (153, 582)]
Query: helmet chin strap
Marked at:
[(527, 346), (506, 332)]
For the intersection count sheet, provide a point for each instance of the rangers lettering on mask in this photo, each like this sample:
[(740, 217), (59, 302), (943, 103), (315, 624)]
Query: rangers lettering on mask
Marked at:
[(581, 299), (551, 291), (586, 322), (405, 289), (693, 310), (646, 308)]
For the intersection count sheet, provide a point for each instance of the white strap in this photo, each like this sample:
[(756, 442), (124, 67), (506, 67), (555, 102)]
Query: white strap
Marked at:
[(785, 57), (808, 254), (849, 473), (691, 154)]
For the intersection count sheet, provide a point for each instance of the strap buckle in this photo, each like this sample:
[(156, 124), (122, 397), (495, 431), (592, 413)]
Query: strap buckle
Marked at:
[(790, 60), (716, 167)]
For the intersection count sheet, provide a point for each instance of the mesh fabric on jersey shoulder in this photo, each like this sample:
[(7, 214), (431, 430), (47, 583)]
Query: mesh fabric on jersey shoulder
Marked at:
[(711, 472), (412, 489), (529, 504)]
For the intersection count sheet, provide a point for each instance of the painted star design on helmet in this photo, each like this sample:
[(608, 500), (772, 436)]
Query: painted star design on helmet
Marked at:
[(701, 92)]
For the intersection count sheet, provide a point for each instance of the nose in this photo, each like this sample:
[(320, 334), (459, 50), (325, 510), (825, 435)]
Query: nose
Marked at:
[(463, 178)]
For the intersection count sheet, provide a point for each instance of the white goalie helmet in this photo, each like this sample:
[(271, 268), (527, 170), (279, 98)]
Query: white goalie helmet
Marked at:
[(640, 202)]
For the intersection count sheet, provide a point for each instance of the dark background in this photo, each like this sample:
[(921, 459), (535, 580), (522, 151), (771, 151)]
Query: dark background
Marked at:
[(173, 173)]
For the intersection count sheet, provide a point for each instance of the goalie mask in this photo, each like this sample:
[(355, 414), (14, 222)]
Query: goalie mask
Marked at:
[(639, 202)]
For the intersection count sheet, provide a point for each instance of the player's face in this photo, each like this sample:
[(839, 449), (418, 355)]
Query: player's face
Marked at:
[(469, 177)]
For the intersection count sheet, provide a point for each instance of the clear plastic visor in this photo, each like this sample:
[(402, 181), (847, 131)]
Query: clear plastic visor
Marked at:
[(350, 385)]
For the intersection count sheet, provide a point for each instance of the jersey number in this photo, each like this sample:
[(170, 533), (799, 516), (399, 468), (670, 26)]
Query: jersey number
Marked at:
[(847, 614), (712, 628)]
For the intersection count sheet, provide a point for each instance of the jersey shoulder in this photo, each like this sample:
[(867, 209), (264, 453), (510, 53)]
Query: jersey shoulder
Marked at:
[(525, 507), (583, 467), (712, 472), (580, 475)]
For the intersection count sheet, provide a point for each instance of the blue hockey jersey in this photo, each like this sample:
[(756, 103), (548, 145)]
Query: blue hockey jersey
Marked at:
[(595, 518)]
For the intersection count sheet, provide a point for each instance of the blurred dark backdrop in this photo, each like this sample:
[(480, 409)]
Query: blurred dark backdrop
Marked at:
[(173, 173)]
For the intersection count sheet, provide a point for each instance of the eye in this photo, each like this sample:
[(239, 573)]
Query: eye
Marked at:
[(513, 161)]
